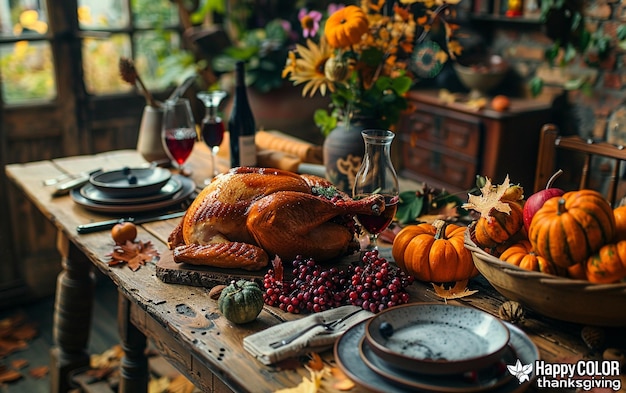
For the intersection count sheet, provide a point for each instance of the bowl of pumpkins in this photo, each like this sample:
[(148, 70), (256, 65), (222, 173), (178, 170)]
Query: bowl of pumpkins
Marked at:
[(561, 254)]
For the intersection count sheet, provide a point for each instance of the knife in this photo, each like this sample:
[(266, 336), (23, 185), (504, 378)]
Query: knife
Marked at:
[(65, 188), (108, 224)]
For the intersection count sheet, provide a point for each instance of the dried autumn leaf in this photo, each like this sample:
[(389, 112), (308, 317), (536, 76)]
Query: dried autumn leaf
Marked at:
[(458, 291), (277, 264), (38, 372), (489, 199), (158, 385), (341, 380), (19, 364), (25, 332), (316, 363), (8, 375), (134, 255), (307, 385), (180, 384)]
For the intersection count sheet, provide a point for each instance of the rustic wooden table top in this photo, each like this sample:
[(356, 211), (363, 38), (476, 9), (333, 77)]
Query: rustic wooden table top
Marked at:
[(186, 325)]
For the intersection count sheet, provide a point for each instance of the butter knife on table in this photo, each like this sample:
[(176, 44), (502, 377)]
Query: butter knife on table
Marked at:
[(66, 187), (108, 224)]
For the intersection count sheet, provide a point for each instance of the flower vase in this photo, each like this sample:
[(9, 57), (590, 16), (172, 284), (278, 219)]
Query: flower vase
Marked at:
[(343, 151), (149, 143)]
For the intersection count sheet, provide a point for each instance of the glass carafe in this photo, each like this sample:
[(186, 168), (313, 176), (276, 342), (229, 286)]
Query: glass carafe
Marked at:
[(377, 176)]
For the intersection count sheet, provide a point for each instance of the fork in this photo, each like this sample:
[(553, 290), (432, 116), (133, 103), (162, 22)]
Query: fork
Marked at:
[(328, 326)]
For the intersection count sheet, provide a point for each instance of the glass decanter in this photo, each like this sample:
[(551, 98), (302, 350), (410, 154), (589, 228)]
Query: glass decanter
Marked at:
[(377, 176)]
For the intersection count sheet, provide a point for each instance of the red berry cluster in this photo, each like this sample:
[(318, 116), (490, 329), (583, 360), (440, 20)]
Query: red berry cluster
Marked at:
[(373, 284)]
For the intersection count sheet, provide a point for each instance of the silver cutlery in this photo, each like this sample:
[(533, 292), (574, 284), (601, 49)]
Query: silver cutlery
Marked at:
[(328, 327), (108, 224), (66, 187)]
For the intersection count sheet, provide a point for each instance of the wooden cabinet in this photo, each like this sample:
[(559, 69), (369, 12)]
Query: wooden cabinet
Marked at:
[(446, 145)]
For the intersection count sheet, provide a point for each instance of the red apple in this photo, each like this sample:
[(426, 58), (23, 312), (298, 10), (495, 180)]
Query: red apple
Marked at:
[(536, 200)]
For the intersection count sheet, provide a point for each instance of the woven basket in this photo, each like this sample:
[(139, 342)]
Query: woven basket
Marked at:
[(561, 298)]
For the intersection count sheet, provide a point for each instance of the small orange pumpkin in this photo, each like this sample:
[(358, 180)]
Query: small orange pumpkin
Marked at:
[(568, 229), (345, 27), (434, 252), (498, 227), (608, 265), (521, 254), (620, 223)]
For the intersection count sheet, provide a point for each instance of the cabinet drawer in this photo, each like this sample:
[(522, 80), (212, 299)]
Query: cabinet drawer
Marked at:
[(437, 165), (455, 134)]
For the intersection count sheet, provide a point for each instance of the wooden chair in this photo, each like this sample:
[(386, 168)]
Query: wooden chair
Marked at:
[(550, 142)]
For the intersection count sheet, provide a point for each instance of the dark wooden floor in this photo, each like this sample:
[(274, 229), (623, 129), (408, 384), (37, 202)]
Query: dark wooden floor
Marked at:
[(103, 335)]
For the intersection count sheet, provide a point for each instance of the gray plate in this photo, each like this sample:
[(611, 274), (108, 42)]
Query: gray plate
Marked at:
[(93, 194), (188, 187), (437, 338), (117, 183), (347, 354)]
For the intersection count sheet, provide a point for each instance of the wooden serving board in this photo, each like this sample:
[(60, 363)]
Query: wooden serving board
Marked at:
[(171, 272)]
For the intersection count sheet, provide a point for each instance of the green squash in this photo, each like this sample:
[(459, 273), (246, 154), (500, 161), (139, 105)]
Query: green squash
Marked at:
[(241, 301)]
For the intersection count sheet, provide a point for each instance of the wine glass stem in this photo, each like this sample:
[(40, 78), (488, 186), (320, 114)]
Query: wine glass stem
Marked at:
[(373, 245), (214, 151)]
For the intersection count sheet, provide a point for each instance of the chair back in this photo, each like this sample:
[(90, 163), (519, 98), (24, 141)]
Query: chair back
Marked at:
[(550, 141)]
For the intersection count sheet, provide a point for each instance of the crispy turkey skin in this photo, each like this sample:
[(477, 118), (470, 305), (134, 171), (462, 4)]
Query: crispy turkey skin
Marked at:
[(247, 215)]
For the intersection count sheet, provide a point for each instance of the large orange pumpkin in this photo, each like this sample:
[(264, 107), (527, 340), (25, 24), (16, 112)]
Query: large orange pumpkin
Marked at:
[(521, 254), (620, 223), (434, 252), (608, 264), (345, 27), (568, 229)]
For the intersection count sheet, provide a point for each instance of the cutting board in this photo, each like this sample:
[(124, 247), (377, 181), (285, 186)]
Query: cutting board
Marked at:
[(171, 272)]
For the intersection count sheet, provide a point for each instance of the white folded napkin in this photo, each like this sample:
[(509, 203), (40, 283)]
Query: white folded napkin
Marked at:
[(314, 340)]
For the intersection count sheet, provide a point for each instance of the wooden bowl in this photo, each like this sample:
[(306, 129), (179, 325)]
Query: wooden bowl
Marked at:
[(561, 298)]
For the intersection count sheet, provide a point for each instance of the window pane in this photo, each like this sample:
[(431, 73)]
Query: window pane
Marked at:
[(26, 72), (154, 13), (102, 14), (100, 64), (153, 49), (20, 17)]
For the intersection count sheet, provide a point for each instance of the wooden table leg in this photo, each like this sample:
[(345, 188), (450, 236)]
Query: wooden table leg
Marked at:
[(72, 315), (134, 367)]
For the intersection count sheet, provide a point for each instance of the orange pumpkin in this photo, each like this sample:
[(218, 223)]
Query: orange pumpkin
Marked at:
[(521, 254), (345, 27), (608, 264), (568, 229), (498, 227), (620, 223), (434, 252)]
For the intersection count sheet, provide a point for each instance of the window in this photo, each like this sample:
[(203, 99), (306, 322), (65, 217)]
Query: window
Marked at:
[(145, 30)]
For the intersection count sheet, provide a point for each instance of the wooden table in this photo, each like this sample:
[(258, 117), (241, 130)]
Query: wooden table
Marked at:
[(182, 321)]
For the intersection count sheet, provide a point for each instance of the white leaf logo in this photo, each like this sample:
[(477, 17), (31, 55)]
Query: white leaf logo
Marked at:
[(521, 371)]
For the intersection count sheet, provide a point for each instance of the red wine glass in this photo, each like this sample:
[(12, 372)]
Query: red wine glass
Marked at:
[(212, 129), (377, 176), (178, 131)]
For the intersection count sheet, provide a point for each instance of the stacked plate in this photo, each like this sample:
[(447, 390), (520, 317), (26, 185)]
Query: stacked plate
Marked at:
[(435, 347), (133, 190)]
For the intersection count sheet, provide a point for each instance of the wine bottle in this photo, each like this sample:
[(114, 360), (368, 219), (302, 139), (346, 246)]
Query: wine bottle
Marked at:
[(241, 124)]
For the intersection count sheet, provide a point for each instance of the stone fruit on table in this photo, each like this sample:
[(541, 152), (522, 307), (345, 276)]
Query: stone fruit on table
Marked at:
[(245, 216), (123, 232)]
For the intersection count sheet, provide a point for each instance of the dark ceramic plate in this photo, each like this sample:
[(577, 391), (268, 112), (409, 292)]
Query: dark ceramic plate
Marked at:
[(347, 354), (489, 377), (170, 188), (131, 182), (437, 338), (188, 187)]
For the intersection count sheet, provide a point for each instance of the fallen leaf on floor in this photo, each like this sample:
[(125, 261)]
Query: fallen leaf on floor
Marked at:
[(15, 331), (134, 255), (181, 384), (8, 375), (19, 363), (38, 372)]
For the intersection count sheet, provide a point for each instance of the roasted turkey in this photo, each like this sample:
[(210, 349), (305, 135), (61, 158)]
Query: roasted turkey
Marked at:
[(245, 216)]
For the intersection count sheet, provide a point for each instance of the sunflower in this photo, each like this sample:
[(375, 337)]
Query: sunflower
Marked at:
[(309, 68)]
